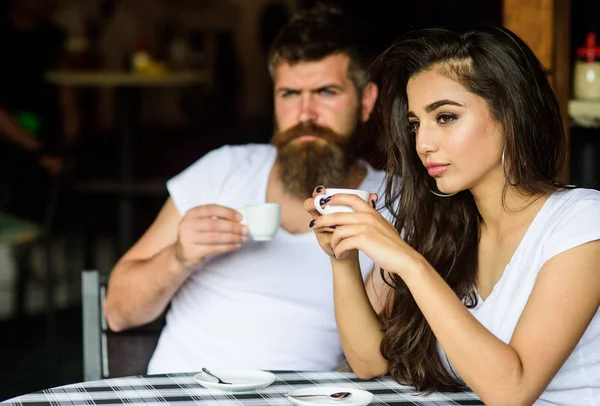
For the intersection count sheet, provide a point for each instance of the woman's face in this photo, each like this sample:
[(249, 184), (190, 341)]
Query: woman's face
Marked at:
[(456, 138)]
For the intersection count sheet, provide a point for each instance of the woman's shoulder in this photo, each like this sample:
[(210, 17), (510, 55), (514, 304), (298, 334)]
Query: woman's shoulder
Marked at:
[(578, 192), (573, 219), (571, 201)]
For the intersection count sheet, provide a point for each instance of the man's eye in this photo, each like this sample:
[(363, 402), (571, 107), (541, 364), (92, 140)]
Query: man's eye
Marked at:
[(445, 118), (289, 93), (413, 126), (327, 92)]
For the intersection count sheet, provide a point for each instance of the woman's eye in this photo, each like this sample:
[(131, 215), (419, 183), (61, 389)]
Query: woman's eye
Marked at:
[(413, 126), (445, 118)]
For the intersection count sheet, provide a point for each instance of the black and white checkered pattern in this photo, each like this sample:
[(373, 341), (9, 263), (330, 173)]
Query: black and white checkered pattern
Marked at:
[(182, 389)]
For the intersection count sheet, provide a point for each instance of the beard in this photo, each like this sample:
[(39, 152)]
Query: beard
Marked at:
[(307, 164)]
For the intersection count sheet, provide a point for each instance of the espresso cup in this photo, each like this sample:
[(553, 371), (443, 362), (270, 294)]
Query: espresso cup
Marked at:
[(262, 220), (330, 208)]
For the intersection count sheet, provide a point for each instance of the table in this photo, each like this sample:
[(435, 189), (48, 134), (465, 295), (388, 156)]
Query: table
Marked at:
[(183, 389), (126, 86)]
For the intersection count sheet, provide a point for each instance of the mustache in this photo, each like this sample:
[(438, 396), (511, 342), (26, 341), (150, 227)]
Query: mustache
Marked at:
[(307, 128)]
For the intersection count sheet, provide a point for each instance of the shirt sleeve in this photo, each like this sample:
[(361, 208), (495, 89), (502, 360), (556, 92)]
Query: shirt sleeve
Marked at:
[(577, 225), (201, 182)]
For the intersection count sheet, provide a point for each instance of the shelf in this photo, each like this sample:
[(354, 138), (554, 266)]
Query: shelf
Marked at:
[(585, 113), (116, 79)]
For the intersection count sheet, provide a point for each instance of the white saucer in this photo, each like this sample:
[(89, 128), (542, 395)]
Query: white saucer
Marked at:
[(359, 397), (241, 380)]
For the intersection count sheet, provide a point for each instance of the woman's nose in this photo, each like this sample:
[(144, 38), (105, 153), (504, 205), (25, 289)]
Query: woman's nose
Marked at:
[(426, 141)]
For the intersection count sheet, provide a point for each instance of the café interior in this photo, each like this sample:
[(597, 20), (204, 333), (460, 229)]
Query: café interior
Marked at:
[(154, 86)]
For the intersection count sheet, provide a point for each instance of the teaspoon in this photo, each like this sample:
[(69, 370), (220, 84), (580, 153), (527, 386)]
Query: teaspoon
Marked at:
[(206, 371), (334, 396)]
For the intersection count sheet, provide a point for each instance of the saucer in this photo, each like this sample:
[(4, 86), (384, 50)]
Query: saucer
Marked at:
[(359, 397), (241, 380)]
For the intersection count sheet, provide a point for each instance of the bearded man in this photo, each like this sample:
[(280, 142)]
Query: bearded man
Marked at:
[(239, 303)]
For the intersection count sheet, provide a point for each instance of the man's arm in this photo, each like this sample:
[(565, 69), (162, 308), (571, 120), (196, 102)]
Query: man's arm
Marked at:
[(147, 276), (13, 132)]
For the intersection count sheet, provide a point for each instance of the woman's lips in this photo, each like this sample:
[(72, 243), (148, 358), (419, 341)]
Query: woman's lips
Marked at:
[(437, 170)]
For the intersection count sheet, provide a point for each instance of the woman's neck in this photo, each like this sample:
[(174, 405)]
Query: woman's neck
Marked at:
[(501, 209)]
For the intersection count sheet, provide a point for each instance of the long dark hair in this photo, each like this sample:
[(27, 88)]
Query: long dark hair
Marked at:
[(495, 64)]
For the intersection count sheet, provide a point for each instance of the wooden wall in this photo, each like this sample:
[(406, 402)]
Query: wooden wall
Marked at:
[(545, 26)]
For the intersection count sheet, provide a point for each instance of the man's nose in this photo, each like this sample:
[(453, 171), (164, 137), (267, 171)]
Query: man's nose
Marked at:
[(308, 111)]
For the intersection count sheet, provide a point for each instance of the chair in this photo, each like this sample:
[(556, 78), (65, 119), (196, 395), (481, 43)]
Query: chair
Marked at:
[(107, 354)]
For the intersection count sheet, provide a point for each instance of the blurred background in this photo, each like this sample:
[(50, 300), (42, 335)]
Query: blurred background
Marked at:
[(200, 81)]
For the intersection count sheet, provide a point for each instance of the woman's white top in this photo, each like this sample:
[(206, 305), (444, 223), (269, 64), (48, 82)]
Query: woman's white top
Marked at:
[(567, 219)]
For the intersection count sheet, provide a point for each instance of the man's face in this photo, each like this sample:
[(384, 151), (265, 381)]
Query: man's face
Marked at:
[(318, 112)]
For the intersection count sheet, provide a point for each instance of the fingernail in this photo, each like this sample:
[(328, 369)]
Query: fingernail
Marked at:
[(319, 189), (373, 204), (312, 223), (333, 227), (322, 202), (328, 198)]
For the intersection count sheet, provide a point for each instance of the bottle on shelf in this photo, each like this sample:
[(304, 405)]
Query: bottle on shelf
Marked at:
[(142, 62), (586, 74)]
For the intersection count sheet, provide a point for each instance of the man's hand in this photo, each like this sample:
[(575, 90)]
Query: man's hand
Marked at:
[(52, 164), (208, 230)]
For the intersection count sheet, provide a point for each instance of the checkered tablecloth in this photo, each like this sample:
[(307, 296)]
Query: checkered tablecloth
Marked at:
[(183, 389)]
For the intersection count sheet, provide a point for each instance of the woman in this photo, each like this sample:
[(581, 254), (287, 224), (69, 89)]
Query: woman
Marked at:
[(493, 281)]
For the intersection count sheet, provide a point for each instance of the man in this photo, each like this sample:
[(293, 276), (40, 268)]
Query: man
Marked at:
[(37, 121), (235, 302)]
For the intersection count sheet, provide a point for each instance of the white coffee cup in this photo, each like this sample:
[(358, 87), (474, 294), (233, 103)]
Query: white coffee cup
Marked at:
[(329, 208), (262, 220)]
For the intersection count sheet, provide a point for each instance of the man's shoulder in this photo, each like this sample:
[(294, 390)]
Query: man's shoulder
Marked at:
[(230, 167), (230, 159), (250, 150), (374, 180), (238, 155)]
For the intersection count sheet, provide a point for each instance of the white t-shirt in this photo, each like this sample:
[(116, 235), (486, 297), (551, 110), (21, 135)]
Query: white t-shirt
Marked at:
[(268, 305), (568, 219)]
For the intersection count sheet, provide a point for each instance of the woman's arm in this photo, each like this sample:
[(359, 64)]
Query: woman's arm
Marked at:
[(564, 300), (356, 303), (358, 324)]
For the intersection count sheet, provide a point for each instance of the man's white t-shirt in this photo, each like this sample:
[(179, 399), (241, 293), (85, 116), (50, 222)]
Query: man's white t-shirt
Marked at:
[(567, 219), (268, 305)]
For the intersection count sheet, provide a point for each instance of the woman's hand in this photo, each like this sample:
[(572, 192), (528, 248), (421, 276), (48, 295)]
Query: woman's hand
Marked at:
[(341, 234), (324, 234)]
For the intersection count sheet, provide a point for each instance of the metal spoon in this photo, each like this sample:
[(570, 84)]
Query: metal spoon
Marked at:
[(334, 396), (206, 371)]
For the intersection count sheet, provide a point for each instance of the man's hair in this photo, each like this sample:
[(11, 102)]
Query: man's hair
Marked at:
[(316, 33)]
